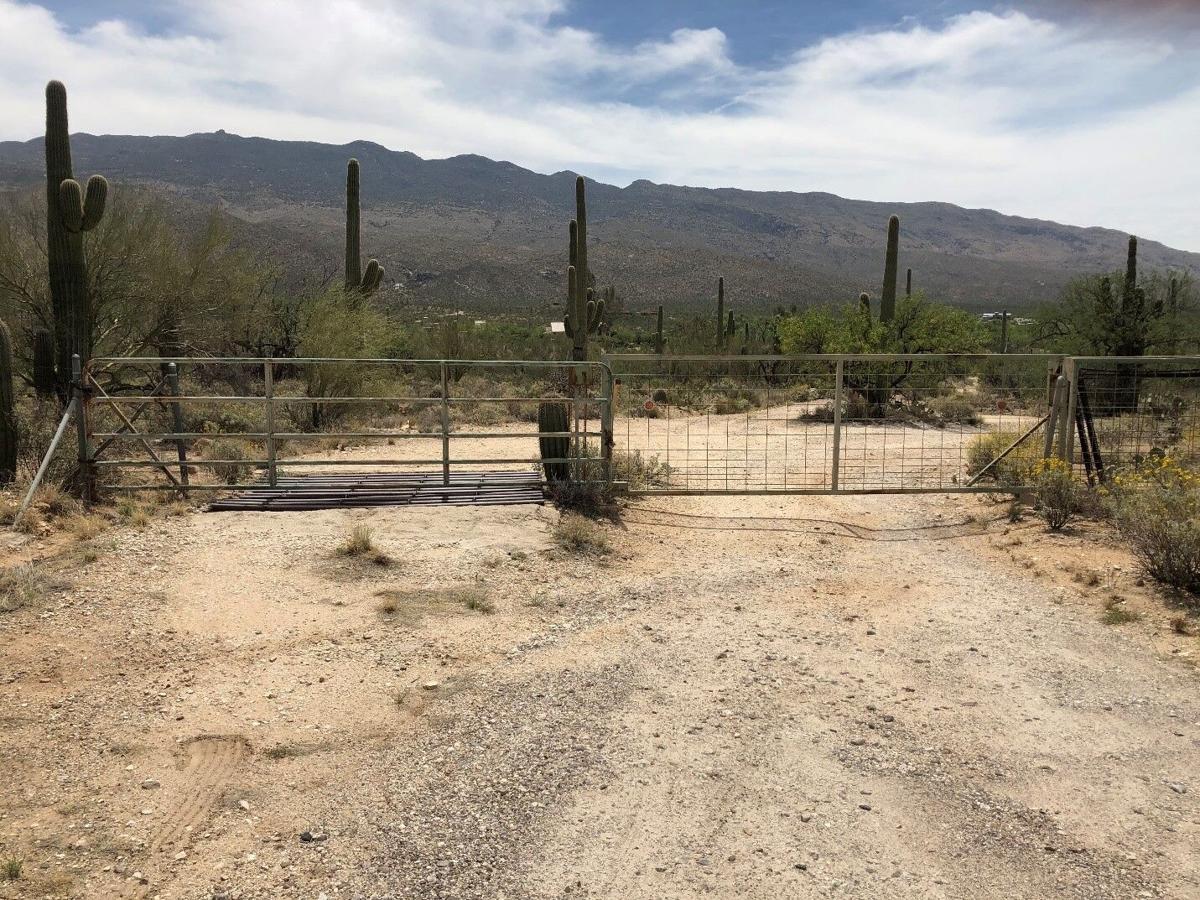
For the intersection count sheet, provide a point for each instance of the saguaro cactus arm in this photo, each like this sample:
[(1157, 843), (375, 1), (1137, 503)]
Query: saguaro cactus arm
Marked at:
[(82, 210)]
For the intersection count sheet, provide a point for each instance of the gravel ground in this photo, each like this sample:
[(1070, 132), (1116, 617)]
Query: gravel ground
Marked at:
[(751, 697)]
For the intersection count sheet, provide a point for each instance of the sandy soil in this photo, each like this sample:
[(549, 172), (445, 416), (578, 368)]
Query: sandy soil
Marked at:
[(751, 697)]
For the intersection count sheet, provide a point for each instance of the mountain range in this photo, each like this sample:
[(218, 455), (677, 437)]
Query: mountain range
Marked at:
[(473, 233)]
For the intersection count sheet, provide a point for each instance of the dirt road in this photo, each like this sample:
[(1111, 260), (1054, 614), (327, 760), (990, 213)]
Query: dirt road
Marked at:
[(751, 697)]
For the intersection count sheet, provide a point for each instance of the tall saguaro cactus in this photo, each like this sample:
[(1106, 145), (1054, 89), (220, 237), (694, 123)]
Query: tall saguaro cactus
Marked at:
[(1131, 265), (356, 279), (71, 210), (887, 300), (8, 418), (658, 333), (584, 314), (720, 313), (43, 364)]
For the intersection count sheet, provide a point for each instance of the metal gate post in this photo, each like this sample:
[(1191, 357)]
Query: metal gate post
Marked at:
[(838, 387), (177, 422), (1056, 401), (269, 393), (1067, 450), (86, 472), (445, 424), (607, 427)]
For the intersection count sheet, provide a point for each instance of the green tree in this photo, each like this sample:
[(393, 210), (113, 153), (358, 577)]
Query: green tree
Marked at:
[(1098, 315), (919, 326)]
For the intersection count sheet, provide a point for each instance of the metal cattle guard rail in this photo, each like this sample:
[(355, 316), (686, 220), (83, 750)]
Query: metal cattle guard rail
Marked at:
[(148, 389)]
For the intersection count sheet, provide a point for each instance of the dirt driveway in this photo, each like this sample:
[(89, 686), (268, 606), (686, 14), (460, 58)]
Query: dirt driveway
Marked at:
[(750, 697)]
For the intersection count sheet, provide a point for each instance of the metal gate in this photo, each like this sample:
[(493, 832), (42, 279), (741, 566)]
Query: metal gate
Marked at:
[(820, 424), (378, 430), (816, 424)]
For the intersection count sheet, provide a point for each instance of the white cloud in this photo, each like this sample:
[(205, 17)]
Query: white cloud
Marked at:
[(1021, 114)]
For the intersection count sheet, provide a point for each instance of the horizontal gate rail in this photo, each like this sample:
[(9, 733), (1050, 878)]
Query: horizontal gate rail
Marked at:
[(584, 388), (853, 423)]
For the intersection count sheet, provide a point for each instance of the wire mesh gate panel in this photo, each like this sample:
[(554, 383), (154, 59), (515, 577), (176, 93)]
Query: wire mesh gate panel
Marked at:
[(1125, 411), (829, 423), (195, 424)]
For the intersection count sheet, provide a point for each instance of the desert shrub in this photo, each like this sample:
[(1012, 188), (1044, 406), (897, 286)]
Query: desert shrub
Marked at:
[(339, 325), (1016, 469), (954, 409), (1156, 507), (1056, 492), (640, 471), (228, 450), (579, 534)]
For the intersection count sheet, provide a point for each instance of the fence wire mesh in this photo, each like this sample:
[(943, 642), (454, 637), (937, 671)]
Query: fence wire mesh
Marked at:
[(828, 423), (1128, 411)]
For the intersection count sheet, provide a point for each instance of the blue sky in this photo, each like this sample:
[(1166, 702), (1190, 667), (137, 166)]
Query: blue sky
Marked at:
[(1083, 112)]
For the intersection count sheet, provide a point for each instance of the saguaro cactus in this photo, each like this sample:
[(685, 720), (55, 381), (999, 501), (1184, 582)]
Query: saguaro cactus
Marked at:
[(887, 300), (908, 284), (658, 333), (584, 314), (864, 303), (70, 211), (1131, 265), (357, 280), (43, 363), (720, 313), (8, 418), (730, 326)]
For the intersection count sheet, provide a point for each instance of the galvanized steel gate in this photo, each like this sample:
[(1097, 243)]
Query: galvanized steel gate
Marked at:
[(821, 424), (815, 424), (259, 415), (893, 423)]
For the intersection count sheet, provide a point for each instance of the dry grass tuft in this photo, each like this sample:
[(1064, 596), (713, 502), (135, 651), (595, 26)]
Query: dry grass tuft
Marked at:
[(12, 869), (358, 543), (578, 534), (1115, 612), (21, 586)]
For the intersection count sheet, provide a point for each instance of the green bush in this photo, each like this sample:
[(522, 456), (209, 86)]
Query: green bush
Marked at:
[(1016, 469), (1056, 492), (1157, 510)]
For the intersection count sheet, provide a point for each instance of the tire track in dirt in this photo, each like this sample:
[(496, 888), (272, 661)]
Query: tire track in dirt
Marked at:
[(210, 763)]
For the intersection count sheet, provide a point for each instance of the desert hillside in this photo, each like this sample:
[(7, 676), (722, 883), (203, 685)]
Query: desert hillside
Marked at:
[(476, 233)]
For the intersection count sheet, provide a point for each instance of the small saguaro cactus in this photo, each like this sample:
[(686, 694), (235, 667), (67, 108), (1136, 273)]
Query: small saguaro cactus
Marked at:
[(720, 313), (887, 300), (908, 284), (43, 364), (730, 326), (8, 417), (356, 279), (658, 333), (554, 421), (864, 303), (584, 314), (71, 210)]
